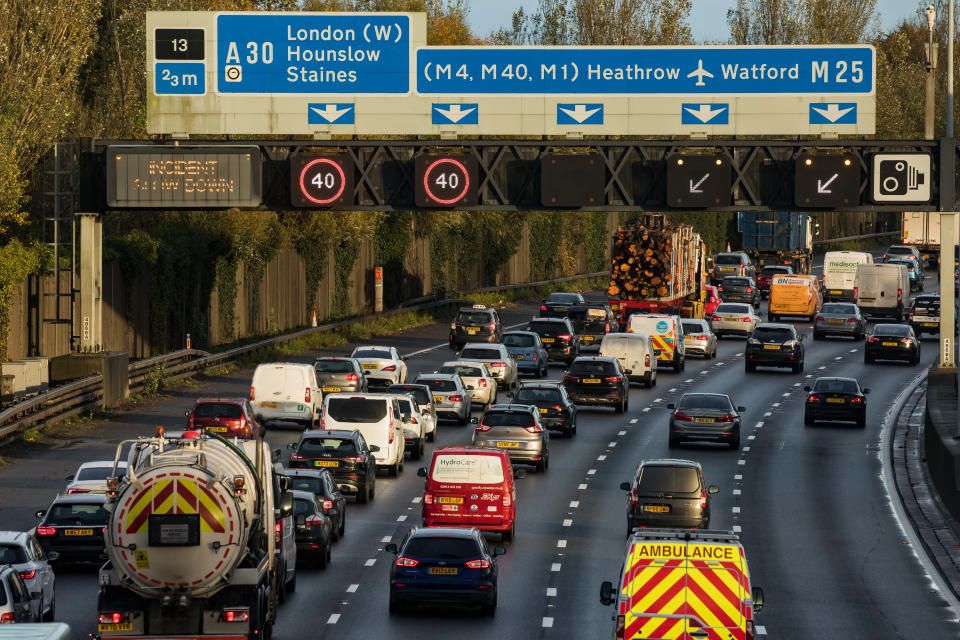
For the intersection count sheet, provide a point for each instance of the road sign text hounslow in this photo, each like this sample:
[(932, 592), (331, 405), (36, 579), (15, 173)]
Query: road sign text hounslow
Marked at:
[(698, 181), (827, 180), (321, 180), (448, 180)]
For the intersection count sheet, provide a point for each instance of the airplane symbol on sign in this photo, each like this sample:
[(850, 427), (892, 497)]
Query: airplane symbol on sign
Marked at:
[(695, 188), (822, 186), (700, 73)]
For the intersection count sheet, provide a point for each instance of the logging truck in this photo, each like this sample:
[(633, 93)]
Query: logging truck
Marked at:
[(656, 267)]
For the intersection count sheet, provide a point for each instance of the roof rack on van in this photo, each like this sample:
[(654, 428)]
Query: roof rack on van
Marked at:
[(705, 535)]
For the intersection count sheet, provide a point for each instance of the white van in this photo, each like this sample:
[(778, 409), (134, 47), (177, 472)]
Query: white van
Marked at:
[(635, 355), (666, 336), (839, 273), (882, 290), (377, 416), (285, 391)]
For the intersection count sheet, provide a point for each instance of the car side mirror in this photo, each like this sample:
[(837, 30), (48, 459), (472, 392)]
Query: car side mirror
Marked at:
[(391, 548), (332, 512), (422, 472), (473, 420), (713, 489), (757, 597), (69, 478), (284, 483), (470, 387), (292, 446), (866, 391), (741, 409), (806, 387), (53, 556), (606, 593), (286, 504), (625, 486), (628, 371), (671, 406), (366, 372), (403, 358), (374, 448), (41, 513), (186, 413), (520, 473)]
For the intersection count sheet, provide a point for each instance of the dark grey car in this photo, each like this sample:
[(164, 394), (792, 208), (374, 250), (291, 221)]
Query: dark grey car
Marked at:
[(336, 375), (705, 416), (740, 289), (516, 429), (839, 319), (668, 493)]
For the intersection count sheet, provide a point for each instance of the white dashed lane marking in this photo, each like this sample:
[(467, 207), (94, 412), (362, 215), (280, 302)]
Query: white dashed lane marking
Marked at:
[(574, 504), (581, 487), (634, 420), (401, 518), (767, 414), (736, 528), (547, 622), (741, 461), (353, 588), (738, 477), (416, 500), (758, 425), (612, 444), (561, 544), (761, 630), (736, 492), (370, 562), (551, 592), (591, 472), (555, 567), (568, 522), (688, 381), (736, 509), (746, 449), (386, 538), (334, 617), (601, 458), (621, 433), (671, 390)]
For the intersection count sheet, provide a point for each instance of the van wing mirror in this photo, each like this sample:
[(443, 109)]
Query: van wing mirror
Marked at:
[(757, 597), (606, 593), (866, 391), (292, 446), (374, 448), (671, 406), (741, 409), (713, 489), (422, 472), (499, 551)]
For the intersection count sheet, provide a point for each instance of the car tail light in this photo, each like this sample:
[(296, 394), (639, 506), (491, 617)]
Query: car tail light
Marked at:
[(506, 501), (621, 627), (910, 315), (482, 427), (749, 289), (534, 429), (703, 499), (726, 418), (6, 617), (306, 395), (69, 491), (46, 531), (278, 533), (702, 338), (856, 400), (534, 357), (413, 420), (456, 398), (253, 395), (28, 575), (851, 319), (482, 382), (428, 498), (682, 416), (543, 307), (606, 327), (239, 426), (720, 288), (646, 360), (856, 294), (453, 326), (498, 364), (873, 339), (294, 456), (566, 337), (403, 561), (190, 421), (493, 327), (355, 459), (569, 378), (557, 407), (634, 498), (479, 563), (390, 434), (115, 617), (907, 341), (327, 504), (745, 319), (235, 615), (352, 377), (391, 368), (613, 379), (819, 318), (813, 398), (314, 521), (629, 329), (899, 294)]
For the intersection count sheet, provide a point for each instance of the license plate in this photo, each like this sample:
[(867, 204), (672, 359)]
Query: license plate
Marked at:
[(326, 463), (78, 532), (508, 444), (704, 420), (115, 626), (438, 399), (269, 405), (547, 340), (930, 324), (773, 347), (657, 508), (586, 338), (519, 356), (726, 268), (449, 500), (836, 400), (371, 366), (217, 429), (331, 389), (835, 293), (561, 309), (835, 320), (472, 330), (889, 344), (591, 380), (542, 410), (443, 571)]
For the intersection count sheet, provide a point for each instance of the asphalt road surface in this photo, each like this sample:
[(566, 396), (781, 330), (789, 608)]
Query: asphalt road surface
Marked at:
[(809, 503)]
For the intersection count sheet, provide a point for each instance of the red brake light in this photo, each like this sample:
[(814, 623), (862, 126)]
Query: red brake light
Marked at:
[(856, 294), (482, 427), (613, 379), (390, 434), (294, 456), (749, 289), (557, 407), (456, 398), (403, 561), (899, 294), (606, 327), (819, 318), (506, 501), (646, 360), (69, 491), (534, 429), (499, 364), (726, 418), (569, 378), (46, 531), (278, 532), (479, 563), (352, 377), (851, 319), (813, 398), (252, 394), (112, 618), (534, 357), (306, 395), (856, 400), (701, 337), (873, 339), (634, 498), (327, 504), (427, 498), (235, 615), (745, 319), (565, 337), (6, 617), (390, 368), (543, 307), (28, 575), (703, 499), (493, 327), (621, 627), (482, 382), (682, 416)]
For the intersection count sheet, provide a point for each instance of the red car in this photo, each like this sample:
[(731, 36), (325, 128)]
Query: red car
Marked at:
[(711, 301), (229, 417), (766, 275)]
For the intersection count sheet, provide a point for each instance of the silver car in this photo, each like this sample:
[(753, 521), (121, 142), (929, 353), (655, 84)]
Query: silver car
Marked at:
[(499, 363), (382, 366), (699, 339), (474, 374), (839, 319), (17, 604), (516, 429), (734, 318), (91, 477), (451, 398), (22, 551)]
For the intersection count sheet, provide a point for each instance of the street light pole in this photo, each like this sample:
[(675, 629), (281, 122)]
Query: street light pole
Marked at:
[(931, 73), (950, 37)]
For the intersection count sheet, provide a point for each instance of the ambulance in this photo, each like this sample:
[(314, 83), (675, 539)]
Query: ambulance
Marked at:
[(683, 584), (666, 335)]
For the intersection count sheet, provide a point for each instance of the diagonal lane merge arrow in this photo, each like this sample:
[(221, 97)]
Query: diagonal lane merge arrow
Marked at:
[(822, 188), (695, 188)]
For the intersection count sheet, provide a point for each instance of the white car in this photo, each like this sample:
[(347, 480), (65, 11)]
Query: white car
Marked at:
[(421, 393), (91, 477), (481, 385), (735, 318), (376, 416), (381, 365), (22, 551), (498, 360), (414, 426)]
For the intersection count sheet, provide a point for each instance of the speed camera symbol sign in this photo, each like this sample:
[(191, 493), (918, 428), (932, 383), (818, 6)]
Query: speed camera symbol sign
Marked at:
[(902, 177)]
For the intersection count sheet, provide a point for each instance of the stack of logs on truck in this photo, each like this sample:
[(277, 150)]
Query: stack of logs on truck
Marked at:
[(656, 267)]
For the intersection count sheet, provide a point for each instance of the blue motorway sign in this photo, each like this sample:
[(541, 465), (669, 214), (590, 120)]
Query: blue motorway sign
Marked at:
[(833, 113), (180, 78), (813, 70), (313, 53)]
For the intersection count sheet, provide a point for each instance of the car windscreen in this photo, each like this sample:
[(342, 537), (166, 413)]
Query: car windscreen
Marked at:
[(334, 366), (839, 309), (356, 409), (834, 385), (439, 385), (12, 554), (504, 419), (383, 354), (703, 401), (217, 410), (589, 319), (467, 468), (420, 394), (537, 395), (445, 548), (473, 318), (727, 259), (891, 330), (909, 264), (517, 340), (776, 270), (77, 514), (668, 479), (313, 485), (303, 507), (406, 409), (563, 298), (93, 473), (900, 251), (736, 282), (314, 447), (732, 308), (548, 328), (693, 327), (927, 304), (591, 368), (772, 334), (461, 370), (476, 353)]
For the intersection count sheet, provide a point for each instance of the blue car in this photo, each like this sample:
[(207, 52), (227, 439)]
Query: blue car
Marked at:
[(913, 270), (526, 348), (441, 566)]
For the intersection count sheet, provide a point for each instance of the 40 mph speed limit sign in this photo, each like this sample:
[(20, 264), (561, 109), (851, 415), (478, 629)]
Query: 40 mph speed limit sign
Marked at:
[(448, 180), (320, 180)]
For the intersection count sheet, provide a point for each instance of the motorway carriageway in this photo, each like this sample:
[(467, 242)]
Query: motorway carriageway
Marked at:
[(808, 502)]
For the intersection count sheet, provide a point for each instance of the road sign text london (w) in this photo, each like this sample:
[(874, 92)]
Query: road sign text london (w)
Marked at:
[(372, 73)]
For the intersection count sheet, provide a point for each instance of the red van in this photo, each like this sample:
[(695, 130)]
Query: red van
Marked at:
[(470, 487)]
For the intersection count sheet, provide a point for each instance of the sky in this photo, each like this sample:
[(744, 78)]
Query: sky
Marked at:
[(708, 20)]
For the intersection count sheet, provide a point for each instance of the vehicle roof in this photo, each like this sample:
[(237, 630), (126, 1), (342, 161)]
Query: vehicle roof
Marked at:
[(303, 473), (889, 325), (365, 395), (303, 495), (705, 393), (330, 433), (335, 358), (439, 376), (367, 347), (285, 364), (845, 379), (408, 385), (469, 450), (101, 463), (227, 400), (541, 385), (594, 359), (19, 537), (510, 406), (475, 308), (443, 532), (673, 462), (729, 253), (464, 363), (518, 332), (542, 319), (775, 325), (488, 345), (80, 498)]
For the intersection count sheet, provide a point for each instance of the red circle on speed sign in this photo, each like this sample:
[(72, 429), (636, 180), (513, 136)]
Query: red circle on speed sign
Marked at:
[(322, 198), (461, 174)]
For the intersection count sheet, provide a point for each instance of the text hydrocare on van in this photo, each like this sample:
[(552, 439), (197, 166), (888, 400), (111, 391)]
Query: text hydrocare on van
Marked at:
[(685, 585), (666, 335), (794, 296), (839, 273)]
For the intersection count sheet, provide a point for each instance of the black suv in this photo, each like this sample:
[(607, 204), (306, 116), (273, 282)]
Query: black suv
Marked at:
[(345, 454), (668, 493), (774, 345), (475, 324), (592, 322), (731, 264), (73, 527), (320, 482), (599, 381), (557, 411), (558, 304), (558, 337), (740, 289), (925, 314)]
